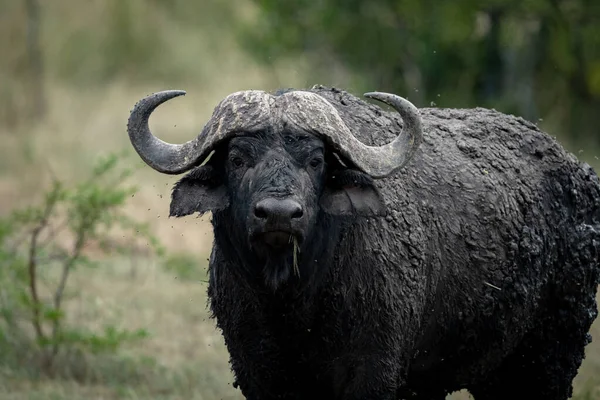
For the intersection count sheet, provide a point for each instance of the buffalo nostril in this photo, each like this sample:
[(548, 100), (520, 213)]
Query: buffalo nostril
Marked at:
[(260, 212), (298, 213)]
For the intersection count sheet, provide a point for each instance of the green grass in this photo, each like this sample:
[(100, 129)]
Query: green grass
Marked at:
[(184, 357)]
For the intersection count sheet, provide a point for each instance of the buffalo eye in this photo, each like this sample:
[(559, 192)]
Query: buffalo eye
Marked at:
[(316, 162), (237, 162)]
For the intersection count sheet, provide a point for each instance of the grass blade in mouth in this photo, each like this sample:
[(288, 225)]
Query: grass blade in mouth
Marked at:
[(296, 251)]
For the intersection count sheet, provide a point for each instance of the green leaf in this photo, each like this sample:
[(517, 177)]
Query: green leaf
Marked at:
[(53, 315)]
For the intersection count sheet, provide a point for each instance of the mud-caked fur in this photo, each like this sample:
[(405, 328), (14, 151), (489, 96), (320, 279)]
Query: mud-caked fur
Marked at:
[(475, 266)]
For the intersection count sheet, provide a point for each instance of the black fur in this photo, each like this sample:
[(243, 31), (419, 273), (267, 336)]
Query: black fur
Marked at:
[(475, 267)]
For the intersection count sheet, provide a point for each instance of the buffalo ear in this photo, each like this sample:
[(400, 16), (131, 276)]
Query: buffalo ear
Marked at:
[(202, 190), (351, 192)]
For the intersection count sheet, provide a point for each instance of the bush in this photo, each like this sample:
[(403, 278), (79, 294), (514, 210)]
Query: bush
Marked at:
[(41, 245)]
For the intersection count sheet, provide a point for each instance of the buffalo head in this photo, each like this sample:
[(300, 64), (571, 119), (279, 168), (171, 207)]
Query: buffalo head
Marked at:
[(271, 168)]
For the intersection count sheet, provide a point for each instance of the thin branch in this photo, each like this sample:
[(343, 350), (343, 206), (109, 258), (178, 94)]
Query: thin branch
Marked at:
[(32, 268), (53, 232), (58, 295)]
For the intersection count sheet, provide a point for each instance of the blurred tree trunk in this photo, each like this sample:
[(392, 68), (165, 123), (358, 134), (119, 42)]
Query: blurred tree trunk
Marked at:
[(34, 56), (493, 66)]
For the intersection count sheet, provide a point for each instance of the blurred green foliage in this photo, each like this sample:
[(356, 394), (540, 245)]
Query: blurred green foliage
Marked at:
[(186, 267), (535, 58), (41, 245), (92, 43)]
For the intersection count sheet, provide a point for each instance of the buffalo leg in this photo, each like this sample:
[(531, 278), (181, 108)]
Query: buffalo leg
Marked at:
[(366, 377)]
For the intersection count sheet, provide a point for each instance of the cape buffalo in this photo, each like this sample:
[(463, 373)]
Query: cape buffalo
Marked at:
[(361, 253)]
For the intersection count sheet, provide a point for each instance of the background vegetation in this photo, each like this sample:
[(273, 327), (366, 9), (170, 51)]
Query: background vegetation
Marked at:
[(538, 58), (130, 320)]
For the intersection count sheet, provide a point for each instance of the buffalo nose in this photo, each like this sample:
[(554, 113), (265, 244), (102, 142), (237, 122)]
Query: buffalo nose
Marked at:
[(278, 210)]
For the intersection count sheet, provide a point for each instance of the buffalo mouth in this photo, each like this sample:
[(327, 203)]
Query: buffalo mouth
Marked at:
[(278, 240)]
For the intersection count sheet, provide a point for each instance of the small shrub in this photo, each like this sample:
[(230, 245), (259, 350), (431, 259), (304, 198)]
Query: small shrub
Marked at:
[(39, 248)]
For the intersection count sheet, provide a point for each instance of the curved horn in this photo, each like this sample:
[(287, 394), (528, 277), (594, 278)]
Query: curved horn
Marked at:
[(402, 149), (238, 112), (376, 161), (163, 157)]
